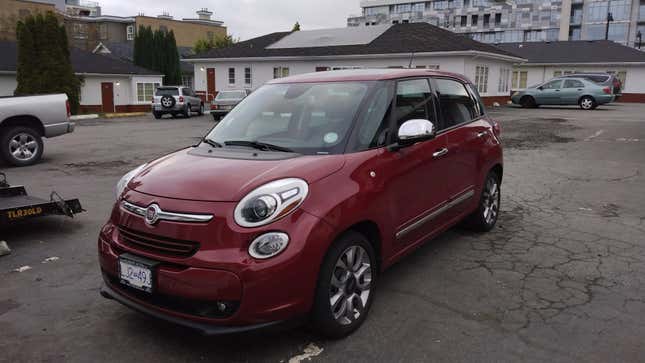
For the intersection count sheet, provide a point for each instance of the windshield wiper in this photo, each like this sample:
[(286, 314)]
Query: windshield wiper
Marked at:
[(212, 143), (258, 145)]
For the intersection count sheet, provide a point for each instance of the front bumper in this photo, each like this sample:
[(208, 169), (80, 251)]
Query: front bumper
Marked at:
[(263, 292), (109, 292)]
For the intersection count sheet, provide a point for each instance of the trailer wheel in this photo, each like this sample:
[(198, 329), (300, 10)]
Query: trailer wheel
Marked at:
[(21, 146)]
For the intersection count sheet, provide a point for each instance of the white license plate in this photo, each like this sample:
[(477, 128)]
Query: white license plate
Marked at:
[(135, 274), (227, 107)]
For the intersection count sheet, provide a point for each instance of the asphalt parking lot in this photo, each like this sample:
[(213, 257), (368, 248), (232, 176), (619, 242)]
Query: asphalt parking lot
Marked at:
[(561, 278)]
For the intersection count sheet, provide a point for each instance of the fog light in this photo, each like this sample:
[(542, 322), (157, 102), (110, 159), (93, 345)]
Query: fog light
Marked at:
[(268, 245)]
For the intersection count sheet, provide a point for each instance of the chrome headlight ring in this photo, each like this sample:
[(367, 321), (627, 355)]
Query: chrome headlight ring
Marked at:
[(270, 202)]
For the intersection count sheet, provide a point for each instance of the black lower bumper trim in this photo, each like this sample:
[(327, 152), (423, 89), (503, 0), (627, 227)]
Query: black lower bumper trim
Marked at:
[(206, 329)]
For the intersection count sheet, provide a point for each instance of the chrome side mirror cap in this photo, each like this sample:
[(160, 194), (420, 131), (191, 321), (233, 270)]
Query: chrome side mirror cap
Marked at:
[(415, 130)]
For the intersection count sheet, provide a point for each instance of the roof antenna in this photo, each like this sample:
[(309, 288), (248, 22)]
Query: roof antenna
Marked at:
[(411, 59)]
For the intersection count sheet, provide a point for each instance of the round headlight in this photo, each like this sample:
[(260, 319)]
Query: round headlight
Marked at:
[(268, 245), (271, 202)]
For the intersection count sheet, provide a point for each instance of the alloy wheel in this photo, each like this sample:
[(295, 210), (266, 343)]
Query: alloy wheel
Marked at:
[(23, 146), (586, 103), (491, 201), (350, 285)]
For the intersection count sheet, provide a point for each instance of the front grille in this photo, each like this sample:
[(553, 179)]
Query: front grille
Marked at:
[(156, 244)]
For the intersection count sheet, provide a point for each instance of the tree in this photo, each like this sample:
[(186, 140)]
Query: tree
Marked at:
[(296, 27), (216, 42), (158, 51), (44, 64)]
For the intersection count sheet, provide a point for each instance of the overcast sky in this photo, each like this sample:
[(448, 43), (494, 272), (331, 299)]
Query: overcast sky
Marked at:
[(246, 18)]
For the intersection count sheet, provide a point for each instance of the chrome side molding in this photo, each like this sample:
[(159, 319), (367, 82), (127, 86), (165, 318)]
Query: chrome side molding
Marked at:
[(460, 199)]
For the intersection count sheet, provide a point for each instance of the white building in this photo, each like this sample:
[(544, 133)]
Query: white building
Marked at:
[(251, 63), (109, 84), (546, 60)]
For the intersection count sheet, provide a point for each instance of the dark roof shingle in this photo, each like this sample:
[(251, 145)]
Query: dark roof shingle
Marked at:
[(82, 62), (578, 51), (400, 38)]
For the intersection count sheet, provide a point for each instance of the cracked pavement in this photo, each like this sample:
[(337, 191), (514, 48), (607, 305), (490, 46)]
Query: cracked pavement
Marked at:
[(561, 277)]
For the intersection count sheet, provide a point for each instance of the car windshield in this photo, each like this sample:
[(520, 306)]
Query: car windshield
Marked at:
[(230, 95), (308, 118), (167, 92)]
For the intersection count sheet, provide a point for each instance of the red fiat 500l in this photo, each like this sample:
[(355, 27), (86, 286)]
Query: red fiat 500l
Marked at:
[(296, 201)]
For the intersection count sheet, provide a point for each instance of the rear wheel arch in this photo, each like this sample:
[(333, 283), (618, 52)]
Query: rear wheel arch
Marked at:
[(498, 169), (29, 121)]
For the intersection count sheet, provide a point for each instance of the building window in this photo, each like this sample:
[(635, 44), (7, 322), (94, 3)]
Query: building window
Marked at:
[(504, 75), (103, 31), (498, 19), (519, 79), (187, 81), (279, 72), (248, 77), (129, 30), (79, 31), (402, 8), (145, 91), (474, 19), (557, 74), (486, 20), (231, 76), (419, 7), (481, 78), (463, 21)]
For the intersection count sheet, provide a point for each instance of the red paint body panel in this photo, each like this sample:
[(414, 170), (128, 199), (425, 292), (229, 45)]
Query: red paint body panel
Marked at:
[(393, 190)]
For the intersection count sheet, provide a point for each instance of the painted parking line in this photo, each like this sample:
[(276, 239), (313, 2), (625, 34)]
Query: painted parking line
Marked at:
[(596, 134)]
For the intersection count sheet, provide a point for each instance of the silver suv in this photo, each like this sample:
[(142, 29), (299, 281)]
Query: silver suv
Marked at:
[(176, 100)]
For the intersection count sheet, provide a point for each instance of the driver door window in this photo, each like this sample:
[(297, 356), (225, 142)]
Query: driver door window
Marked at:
[(552, 85), (413, 101)]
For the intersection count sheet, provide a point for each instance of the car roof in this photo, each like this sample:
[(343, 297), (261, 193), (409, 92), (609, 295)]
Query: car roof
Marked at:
[(365, 75)]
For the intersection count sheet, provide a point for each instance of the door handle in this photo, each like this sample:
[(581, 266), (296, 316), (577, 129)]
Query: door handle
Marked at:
[(440, 153), (482, 134)]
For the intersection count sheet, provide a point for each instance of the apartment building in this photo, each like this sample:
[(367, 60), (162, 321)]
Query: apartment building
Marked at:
[(494, 21), (13, 11), (87, 32)]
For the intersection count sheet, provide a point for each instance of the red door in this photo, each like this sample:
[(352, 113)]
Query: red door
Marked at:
[(210, 84), (107, 97)]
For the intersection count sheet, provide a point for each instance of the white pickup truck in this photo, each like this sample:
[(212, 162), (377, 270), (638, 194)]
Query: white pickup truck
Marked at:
[(24, 121)]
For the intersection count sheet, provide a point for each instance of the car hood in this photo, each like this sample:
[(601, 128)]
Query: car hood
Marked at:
[(185, 175)]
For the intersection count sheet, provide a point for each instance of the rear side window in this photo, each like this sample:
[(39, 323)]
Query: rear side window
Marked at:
[(413, 101), (456, 104), (599, 79), (167, 92), (187, 92), (573, 83)]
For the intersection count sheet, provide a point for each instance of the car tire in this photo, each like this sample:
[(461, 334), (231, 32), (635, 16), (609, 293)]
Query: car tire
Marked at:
[(337, 282), (201, 110), (528, 102), (157, 115), (484, 218), (216, 117), (167, 102), (21, 146), (587, 103), (187, 111)]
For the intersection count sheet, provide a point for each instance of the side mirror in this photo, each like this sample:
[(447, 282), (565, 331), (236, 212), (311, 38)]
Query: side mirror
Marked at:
[(413, 131), (540, 88)]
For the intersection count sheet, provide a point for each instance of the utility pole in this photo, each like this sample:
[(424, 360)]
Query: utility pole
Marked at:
[(610, 18)]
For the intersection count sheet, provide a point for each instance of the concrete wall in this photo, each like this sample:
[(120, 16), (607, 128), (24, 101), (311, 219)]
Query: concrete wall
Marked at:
[(7, 84), (262, 71), (186, 33)]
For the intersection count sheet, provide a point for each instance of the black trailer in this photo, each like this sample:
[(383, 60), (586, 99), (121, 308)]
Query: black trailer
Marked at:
[(16, 205)]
